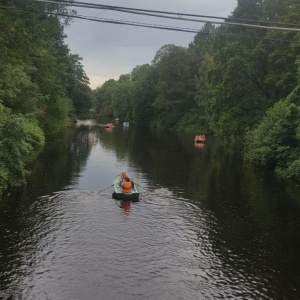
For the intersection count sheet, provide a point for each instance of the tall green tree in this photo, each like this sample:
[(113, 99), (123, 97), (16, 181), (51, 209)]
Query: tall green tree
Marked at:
[(121, 97), (144, 81), (198, 118), (40, 81), (78, 87), (284, 48), (275, 143), (19, 136), (103, 99), (246, 78), (175, 87)]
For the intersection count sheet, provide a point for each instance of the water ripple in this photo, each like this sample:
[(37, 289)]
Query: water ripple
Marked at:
[(80, 245)]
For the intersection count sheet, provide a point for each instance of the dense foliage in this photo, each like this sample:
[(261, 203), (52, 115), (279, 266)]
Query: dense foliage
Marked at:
[(232, 81), (42, 85)]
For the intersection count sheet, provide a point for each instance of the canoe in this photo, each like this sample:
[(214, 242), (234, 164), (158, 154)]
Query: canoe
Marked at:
[(200, 139), (117, 194)]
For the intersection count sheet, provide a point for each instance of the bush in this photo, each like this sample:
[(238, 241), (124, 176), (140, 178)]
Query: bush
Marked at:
[(20, 136), (274, 143)]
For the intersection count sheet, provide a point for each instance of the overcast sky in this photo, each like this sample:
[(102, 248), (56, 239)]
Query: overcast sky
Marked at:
[(110, 50)]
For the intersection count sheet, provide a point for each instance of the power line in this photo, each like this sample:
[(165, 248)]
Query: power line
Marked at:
[(121, 22), (112, 21), (183, 19), (137, 24), (158, 14), (181, 29), (101, 6)]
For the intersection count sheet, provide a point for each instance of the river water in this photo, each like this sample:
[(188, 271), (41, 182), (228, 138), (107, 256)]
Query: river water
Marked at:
[(207, 225)]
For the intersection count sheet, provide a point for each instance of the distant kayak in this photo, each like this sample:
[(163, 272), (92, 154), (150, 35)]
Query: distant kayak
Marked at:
[(200, 139), (119, 195)]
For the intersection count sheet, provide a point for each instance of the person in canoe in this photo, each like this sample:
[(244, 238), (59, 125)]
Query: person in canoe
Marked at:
[(123, 177), (125, 182)]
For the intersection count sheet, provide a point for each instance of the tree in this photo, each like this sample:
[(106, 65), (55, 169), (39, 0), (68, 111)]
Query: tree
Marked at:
[(248, 78), (143, 95), (121, 97), (285, 48), (103, 99), (19, 136), (198, 118), (175, 85), (275, 143), (78, 86), (40, 81)]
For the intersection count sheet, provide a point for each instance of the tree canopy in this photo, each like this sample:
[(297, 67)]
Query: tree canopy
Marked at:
[(42, 85), (232, 81)]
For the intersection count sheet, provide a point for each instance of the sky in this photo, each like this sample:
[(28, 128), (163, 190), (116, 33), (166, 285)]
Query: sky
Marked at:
[(110, 50)]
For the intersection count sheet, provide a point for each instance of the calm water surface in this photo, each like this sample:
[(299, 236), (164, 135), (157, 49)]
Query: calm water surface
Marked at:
[(207, 226)]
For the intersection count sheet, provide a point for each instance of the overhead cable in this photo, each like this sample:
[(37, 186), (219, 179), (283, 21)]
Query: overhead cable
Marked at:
[(158, 14), (121, 22)]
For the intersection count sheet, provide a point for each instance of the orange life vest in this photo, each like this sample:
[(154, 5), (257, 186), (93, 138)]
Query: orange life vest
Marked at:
[(126, 188)]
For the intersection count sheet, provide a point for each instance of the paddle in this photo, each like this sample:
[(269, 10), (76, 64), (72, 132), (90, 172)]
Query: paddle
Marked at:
[(140, 186), (107, 188)]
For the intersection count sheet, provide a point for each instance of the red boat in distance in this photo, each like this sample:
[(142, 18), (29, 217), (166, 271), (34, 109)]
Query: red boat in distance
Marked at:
[(200, 138)]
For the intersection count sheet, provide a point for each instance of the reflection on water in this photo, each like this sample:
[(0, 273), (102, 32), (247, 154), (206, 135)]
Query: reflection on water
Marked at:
[(125, 205), (207, 226), (88, 123), (199, 145), (108, 130)]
